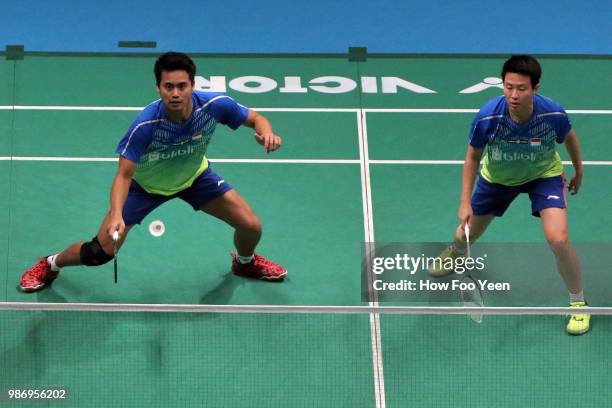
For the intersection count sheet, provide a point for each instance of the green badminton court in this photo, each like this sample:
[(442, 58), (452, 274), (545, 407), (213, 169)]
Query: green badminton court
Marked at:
[(372, 151)]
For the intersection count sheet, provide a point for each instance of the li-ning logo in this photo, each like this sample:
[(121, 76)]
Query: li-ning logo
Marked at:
[(154, 156), (554, 197)]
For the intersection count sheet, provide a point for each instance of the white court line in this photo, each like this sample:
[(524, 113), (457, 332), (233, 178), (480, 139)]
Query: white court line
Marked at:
[(59, 159), (416, 161), (139, 108), (419, 110), (444, 110), (275, 161), (566, 162), (368, 226), (590, 112), (351, 110), (367, 110), (114, 159), (287, 161), (78, 108)]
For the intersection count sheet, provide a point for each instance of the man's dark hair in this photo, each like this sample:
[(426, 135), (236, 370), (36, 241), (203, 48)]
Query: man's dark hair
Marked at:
[(174, 61), (525, 65)]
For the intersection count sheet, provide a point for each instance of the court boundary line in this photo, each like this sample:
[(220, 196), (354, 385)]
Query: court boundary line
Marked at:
[(297, 109), (11, 138), (213, 160), (277, 161), (299, 309), (368, 225)]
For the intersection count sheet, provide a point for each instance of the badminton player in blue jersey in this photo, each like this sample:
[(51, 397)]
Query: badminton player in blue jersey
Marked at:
[(161, 157), (517, 133)]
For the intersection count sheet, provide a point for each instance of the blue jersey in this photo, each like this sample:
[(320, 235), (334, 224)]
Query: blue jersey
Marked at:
[(516, 153), (171, 155)]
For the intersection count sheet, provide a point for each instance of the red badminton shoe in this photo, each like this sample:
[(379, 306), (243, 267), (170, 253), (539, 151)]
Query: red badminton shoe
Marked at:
[(258, 268), (38, 276)]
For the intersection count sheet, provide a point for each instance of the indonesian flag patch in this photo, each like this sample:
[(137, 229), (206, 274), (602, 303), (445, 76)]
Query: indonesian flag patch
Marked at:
[(535, 141)]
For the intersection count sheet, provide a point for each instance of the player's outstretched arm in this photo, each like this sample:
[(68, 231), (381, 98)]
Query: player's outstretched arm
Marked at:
[(264, 135), (573, 149)]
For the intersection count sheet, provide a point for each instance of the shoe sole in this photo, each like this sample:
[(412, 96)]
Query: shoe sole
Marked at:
[(268, 278), (274, 278), (580, 333), (30, 289)]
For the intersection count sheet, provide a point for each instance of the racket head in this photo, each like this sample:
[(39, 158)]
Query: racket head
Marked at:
[(472, 297)]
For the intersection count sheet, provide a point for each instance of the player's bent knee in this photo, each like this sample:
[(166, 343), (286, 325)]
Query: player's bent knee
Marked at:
[(255, 224), (251, 223), (92, 253)]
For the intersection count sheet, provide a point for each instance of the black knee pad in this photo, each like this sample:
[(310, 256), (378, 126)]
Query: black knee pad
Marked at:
[(92, 253)]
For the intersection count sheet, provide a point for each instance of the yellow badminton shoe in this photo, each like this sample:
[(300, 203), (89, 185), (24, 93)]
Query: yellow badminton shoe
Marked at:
[(579, 323)]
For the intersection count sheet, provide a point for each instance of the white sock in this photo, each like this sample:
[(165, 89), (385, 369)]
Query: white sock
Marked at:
[(245, 259), (576, 297), (51, 262)]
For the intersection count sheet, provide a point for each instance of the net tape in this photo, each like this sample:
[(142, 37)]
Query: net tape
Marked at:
[(298, 309)]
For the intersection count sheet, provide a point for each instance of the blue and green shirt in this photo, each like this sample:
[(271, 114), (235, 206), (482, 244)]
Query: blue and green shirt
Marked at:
[(171, 155), (518, 153)]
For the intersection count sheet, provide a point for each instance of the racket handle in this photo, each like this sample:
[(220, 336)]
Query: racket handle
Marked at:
[(467, 238), (115, 239)]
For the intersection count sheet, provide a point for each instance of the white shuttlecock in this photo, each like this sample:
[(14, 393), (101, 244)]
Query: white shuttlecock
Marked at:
[(157, 228)]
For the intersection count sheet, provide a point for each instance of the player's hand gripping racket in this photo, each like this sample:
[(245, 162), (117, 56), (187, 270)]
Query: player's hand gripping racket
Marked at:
[(471, 295), (115, 239)]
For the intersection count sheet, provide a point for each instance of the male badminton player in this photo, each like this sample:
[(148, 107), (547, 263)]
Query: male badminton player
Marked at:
[(161, 157), (517, 133)]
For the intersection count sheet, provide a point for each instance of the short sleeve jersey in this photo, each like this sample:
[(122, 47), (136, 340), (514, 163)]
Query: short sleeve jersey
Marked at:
[(518, 153), (171, 155)]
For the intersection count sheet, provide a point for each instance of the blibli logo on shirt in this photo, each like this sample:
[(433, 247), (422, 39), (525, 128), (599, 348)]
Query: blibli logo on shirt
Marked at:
[(154, 156), (498, 155)]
